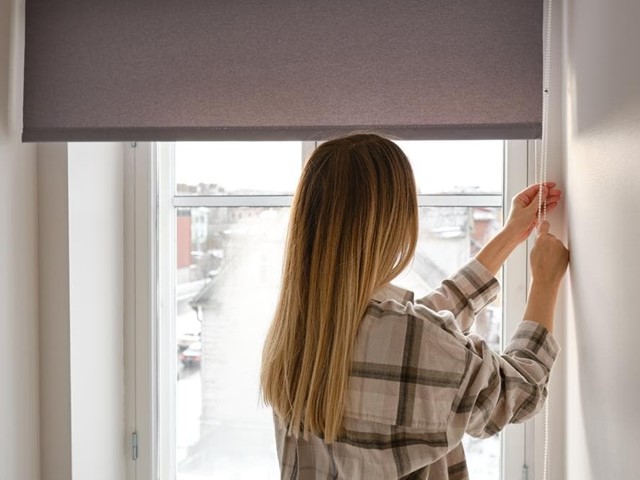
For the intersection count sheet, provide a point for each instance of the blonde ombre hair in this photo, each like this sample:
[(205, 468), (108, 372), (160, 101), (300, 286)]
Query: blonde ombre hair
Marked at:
[(353, 227)]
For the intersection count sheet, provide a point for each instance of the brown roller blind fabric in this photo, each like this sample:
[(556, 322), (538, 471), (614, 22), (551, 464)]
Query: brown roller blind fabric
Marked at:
[(286, 69)]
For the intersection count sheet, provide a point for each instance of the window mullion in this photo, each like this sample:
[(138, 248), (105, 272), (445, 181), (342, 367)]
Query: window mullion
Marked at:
[(166, 231), (285, 201), (232, 201), (460, 200)]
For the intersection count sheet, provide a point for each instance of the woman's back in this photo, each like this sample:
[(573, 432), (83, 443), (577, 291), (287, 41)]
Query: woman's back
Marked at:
[(353, 227), (418, 383)]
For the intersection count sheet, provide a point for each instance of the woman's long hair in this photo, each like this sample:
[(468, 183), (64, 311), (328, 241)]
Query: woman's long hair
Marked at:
[(353, 227)]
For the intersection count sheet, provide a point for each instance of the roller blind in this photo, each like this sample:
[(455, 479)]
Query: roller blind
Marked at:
[(282, 70)]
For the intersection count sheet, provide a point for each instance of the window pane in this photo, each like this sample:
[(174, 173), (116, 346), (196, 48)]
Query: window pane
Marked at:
[(470, 166), (237, 168), (229, 262), (449, 236)]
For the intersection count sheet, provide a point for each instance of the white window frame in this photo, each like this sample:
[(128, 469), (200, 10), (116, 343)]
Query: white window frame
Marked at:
[(150, 205)]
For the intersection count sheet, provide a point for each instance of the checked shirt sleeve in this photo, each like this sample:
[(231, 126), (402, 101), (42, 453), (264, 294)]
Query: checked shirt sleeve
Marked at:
[(464, 294), (500, 389)]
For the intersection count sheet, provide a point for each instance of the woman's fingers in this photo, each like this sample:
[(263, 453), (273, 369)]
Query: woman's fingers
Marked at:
[(529, 194), (524, 215), (543, 227), (554, 195), (553, 200), (551, 207)]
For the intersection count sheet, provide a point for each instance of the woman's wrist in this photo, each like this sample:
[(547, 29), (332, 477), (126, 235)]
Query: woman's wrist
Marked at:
[(496, 252), (541, 303), (545, 286), (516, 233)]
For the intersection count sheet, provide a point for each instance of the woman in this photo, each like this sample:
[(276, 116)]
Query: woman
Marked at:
[(368, 383)]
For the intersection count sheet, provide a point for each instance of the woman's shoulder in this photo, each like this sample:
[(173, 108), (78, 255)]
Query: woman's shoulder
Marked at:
[(408, 345), (389, 291), (390, 301)]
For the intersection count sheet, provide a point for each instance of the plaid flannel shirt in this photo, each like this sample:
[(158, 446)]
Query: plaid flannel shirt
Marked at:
[(420, 381)]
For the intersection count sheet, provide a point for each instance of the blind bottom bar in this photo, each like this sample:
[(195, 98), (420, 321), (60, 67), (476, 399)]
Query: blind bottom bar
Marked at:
[(282, 133)]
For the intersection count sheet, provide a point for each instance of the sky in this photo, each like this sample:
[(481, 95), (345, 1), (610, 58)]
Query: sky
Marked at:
[(274, 167)]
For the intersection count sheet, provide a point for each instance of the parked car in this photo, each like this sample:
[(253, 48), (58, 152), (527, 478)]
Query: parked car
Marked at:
[(188, 329), (192, 355)]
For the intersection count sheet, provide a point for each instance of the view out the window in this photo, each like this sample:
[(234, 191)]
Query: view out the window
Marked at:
[(227, 274)]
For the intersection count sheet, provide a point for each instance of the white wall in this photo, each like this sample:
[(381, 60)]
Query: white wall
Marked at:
[(81, 221), (602, 162), (19, 438), (96, 256)]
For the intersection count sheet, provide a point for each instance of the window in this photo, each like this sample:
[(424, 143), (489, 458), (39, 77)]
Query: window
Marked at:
[(229, 249), (222, 218)]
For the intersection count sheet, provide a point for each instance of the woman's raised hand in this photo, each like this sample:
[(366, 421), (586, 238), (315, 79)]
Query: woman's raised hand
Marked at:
[(549, 258), (521, 222), (524, 209)]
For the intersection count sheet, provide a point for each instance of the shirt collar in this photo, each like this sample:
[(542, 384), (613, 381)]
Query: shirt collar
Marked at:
[(389, 291)]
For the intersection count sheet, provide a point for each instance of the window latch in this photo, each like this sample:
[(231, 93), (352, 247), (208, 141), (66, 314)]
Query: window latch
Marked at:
[(134, 446)]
